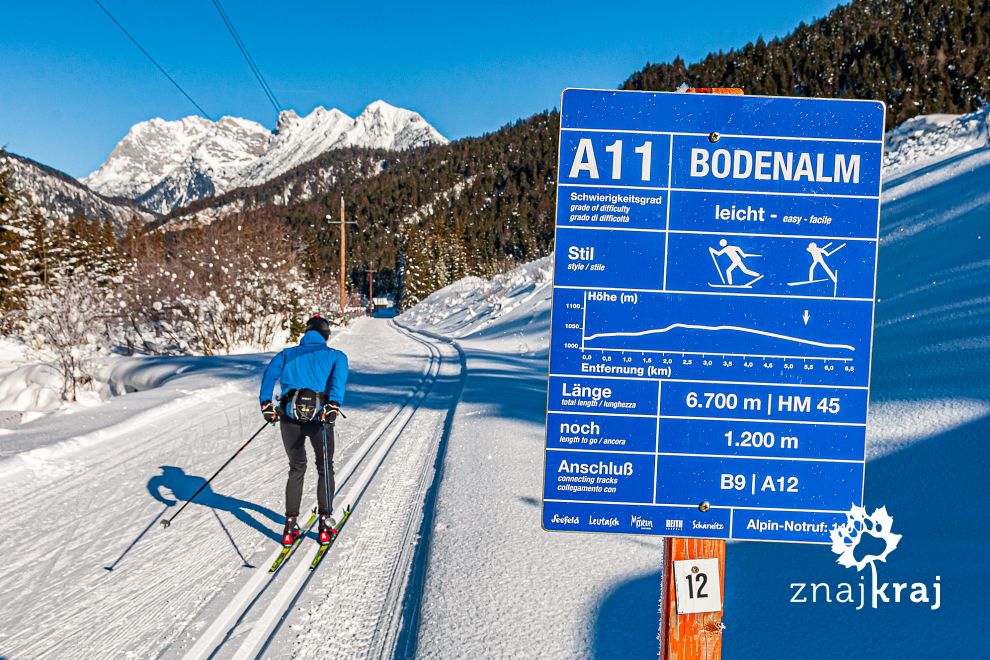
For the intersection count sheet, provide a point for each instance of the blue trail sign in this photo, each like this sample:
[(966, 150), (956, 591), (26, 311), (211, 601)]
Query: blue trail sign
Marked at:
[(713, 304)]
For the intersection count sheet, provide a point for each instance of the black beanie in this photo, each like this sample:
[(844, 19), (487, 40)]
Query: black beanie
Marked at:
[(320, 324)]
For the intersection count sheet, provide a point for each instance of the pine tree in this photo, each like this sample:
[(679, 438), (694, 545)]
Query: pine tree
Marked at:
[(417, 276), (14, 237), (47, 251), (921, 56)]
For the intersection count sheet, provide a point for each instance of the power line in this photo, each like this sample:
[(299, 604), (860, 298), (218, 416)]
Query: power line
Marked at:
[(152, 59), (247, 57)]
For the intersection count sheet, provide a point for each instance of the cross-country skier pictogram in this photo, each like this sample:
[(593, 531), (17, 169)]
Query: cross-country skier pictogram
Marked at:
[(735, 254), (818, 254)]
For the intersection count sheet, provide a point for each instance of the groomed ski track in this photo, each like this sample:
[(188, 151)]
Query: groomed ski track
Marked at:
[(355, 615), (202, 587)]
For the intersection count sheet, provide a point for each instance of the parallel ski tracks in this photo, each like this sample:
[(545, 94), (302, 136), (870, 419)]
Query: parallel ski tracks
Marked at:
[(218, 638), (399, 618)]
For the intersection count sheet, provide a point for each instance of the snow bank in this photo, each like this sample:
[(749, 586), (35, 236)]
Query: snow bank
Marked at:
[(27, 390), (929, 139), (30, 388), (155, 387), (472, 304)]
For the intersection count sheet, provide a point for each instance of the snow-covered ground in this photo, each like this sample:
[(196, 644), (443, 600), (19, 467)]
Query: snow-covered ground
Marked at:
[(87, 571), (28, 389), (930, 139), (454, 563), (497, 585)]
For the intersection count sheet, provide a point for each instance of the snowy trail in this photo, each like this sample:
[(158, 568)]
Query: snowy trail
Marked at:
[(81, 508), (496, 584), (368, 603), (252, 619), (98, 501)]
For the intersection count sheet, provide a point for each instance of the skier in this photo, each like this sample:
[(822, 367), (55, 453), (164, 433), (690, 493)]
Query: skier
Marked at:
[(735, 255), (312, 377), (818, 255)]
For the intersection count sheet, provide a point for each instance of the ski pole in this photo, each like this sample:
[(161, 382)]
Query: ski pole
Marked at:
[(326, 468), (717, 267), (167, 522)]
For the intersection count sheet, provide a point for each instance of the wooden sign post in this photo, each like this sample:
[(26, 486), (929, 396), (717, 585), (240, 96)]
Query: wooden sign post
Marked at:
[(690, 636), (696, 635)]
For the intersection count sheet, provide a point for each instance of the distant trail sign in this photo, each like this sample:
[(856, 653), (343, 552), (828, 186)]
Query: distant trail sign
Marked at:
[(713, 302)]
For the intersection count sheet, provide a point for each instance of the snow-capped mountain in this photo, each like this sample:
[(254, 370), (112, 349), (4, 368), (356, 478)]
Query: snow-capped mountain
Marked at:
[(300, 139), (62, 196), (167, 164), (148, 152), (297, 140), (163, 164), (215, 165)]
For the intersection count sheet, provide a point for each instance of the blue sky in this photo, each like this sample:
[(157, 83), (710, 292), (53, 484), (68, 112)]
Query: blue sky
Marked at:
[(71, 84)]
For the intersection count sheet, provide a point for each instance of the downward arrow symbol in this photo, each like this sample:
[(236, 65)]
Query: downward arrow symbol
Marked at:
[(806, 317)]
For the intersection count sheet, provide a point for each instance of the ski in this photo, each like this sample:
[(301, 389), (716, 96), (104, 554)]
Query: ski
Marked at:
[(323, 548), (747, 285), (287, 552)]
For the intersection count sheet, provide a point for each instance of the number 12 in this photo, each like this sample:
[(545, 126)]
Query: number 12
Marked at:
[(702, 580)]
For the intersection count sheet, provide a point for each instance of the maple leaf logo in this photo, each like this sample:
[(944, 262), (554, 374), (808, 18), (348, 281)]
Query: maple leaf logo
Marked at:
[(846, 537)]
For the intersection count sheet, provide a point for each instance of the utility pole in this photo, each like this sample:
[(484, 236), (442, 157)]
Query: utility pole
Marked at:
[(371, 290), (343, 257)]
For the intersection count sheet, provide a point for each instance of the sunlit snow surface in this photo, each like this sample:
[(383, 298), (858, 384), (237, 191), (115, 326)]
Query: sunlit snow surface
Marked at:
[(497, 585), (87, 570)]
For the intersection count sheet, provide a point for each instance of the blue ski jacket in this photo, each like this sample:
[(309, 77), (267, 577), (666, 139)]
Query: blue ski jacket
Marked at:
[(311, 365)]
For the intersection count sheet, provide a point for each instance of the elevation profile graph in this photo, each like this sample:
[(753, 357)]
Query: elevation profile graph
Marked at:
[(721, 340), (724, 337)]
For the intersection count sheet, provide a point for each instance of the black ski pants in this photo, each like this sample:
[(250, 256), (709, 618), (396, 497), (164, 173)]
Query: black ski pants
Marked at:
[(294, 437)]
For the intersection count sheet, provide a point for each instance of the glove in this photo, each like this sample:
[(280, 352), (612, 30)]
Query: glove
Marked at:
[(330, 412), (269, 411)]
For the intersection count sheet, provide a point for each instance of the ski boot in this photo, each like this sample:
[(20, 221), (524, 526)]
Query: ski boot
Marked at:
[(291, 531), (327, 528)]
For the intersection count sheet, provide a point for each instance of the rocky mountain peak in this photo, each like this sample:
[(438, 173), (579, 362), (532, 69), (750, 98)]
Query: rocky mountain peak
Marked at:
[(166, 164)]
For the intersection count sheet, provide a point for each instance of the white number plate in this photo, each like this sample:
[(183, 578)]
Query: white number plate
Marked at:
[(697, 586)]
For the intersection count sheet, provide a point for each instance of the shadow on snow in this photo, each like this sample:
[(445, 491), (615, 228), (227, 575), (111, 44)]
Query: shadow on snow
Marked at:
[(183, 486)]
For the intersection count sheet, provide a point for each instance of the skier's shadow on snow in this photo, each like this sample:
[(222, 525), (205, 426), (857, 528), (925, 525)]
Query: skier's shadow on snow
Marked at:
[(183, 486)]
